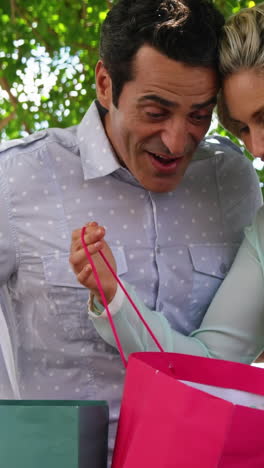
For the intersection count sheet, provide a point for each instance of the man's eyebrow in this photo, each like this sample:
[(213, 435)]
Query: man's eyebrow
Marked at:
[(158, 99), (167, 103), (201, 105)]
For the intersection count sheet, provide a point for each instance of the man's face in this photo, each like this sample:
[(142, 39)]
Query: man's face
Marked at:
[(162, 115)]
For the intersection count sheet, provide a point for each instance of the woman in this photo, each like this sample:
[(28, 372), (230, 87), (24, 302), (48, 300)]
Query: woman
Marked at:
[(233, 327)]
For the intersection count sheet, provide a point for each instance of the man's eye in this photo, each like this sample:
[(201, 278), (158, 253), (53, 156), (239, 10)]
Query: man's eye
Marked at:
[(201, 117), (155, 112), (155, 115)]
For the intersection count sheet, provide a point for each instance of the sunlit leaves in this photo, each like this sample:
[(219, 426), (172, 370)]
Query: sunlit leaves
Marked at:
[(48, 51), (229, 7)]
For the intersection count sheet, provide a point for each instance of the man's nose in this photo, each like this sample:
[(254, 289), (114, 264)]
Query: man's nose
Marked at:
[(175, 136)]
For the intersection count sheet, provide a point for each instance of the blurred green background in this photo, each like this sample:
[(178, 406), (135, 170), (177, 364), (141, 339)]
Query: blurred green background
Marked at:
[(48, 51)]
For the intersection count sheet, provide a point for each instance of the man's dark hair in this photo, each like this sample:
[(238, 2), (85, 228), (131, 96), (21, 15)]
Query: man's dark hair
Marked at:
[(183, 30)]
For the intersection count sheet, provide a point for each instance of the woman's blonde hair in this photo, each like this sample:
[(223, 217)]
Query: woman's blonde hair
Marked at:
[(241, 48)]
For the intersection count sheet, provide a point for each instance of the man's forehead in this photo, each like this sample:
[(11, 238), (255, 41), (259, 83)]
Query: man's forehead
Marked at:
[(148, 53), (150, 65)]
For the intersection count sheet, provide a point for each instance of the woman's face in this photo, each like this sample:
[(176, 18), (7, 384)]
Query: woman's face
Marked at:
[(244, 96)]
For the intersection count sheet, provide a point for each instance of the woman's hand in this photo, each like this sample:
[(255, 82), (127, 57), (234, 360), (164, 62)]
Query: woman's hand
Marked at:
[(94, 239)]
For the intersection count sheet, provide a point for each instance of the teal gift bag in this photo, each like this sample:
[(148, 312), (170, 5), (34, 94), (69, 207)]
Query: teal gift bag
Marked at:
[(53, 434)]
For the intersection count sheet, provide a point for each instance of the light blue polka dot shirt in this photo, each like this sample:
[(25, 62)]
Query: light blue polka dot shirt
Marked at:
[(175, 248)]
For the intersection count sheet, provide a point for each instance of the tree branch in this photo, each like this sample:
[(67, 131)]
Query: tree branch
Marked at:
[(109, 4), (6, 120), (13, 10), (83, 12), (3, 123), (5, 85), (78, 46), (28, 20), (26, 127)]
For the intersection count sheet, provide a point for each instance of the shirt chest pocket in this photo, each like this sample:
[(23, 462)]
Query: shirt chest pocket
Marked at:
[(68, 298), (214, 260), (58, 272), (210, 265)]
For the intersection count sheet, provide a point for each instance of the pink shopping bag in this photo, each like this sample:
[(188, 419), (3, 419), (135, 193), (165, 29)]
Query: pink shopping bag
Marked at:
[(187, 411), (166, 423)]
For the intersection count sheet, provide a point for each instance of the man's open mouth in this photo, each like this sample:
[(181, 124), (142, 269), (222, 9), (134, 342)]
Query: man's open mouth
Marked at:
[(163, 159)]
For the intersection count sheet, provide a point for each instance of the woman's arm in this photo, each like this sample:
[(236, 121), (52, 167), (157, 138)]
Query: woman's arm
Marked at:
[(233, 326), (133, 334), (232, 329)]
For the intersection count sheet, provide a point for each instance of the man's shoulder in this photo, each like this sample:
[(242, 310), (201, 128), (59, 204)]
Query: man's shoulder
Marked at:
[(216, 141), (226, 156), (218, 147), (20, 144), (37, 141), (233, 172)]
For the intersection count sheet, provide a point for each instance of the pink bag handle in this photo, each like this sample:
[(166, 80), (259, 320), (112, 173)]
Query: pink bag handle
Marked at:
[(97, 279)]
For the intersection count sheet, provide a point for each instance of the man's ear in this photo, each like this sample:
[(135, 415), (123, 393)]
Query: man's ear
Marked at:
[(103, 85)]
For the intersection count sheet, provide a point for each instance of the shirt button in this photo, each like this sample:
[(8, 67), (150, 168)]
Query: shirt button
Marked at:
[(223, 268), (157, 249)]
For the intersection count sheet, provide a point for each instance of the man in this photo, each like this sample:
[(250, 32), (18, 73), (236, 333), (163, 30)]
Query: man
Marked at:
[(175, 209)]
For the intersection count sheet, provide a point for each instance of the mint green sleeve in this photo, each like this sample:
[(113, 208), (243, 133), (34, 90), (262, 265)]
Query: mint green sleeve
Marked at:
[(134, 336), (233, 327)]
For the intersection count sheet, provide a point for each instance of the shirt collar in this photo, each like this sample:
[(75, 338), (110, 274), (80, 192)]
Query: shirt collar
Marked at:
[(97, 155)]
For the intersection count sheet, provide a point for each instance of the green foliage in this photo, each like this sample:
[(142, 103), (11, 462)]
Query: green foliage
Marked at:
[(48, 51), (229, 7)]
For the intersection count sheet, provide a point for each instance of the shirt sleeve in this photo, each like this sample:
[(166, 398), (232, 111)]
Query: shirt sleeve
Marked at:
[(8, 253), (233, 327), (8, 265)]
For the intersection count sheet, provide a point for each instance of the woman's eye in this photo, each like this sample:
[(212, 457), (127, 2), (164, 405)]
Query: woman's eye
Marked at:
[(244, 129), (260, 120)]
